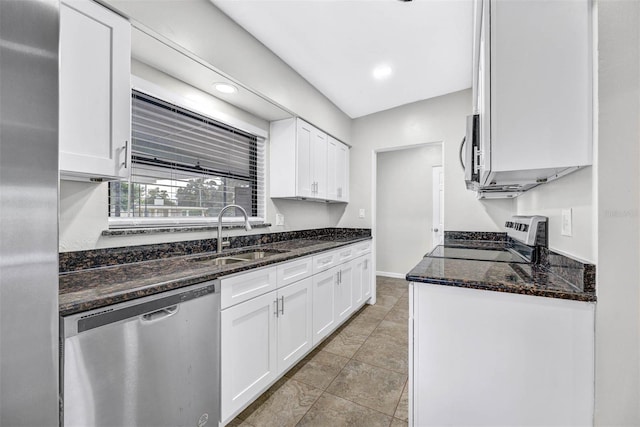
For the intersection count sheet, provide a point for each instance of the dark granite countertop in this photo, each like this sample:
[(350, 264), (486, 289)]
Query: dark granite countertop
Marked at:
[(556, 277), (92, 288)]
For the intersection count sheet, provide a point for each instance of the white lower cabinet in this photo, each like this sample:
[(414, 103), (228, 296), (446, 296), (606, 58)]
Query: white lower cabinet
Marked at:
[(272, 317), (367, 277), (344, 292), (361, 279), (324, 317), (294, 323), (248, 351), (480, 357)]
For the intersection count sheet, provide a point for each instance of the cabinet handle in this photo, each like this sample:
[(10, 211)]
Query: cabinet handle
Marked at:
[(275, 304), (338, 278), (126, 150), (366, 263), (282, 308)]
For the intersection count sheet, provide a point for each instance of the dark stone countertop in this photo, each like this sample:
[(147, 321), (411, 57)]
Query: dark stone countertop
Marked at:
[(99, 287), (551, 279)]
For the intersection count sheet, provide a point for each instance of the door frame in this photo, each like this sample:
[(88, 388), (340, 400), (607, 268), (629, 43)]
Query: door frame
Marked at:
[(439, 202), (374, 196)]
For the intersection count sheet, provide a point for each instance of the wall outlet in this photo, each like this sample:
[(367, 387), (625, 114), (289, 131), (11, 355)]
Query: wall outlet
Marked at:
[(567, 225), (361, 213), (279, 219)]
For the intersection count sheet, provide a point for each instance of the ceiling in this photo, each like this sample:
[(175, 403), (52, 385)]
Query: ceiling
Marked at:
[(336, 44)]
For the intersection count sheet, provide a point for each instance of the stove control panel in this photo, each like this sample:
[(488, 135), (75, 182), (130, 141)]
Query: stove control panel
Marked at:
[(527, 229)]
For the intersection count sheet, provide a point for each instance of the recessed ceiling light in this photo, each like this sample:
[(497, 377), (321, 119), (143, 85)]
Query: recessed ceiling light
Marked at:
[(382, 72), (225, 87)]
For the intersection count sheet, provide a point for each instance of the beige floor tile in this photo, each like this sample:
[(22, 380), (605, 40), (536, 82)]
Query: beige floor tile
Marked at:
[(362, 326), (237, 422), (318, 369), (398, 423), (386, 301), (392, 289), (393, 329), (373, 312), (346, 342), (385, 351), (333, 411), (402, 411), (369, 386), (398, 315), (285, 406)]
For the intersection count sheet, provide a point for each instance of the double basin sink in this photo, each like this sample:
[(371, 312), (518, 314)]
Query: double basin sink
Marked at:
[(216, 260)]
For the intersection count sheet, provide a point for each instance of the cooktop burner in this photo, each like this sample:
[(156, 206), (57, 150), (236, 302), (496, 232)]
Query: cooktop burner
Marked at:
[(498, 255)]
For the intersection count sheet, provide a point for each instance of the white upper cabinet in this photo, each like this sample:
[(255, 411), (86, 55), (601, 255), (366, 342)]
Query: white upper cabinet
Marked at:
[(95, 92), (306, 163), (337, 170), (532, 87)]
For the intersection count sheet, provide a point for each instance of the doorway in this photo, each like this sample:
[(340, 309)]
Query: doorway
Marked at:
[(403, 206)]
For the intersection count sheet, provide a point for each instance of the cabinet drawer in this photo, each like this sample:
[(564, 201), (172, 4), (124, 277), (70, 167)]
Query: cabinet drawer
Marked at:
[(345, 254), (324, 261), (362, 248), (293, 271), (245, 286)]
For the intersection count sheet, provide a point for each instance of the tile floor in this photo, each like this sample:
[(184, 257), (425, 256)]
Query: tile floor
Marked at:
[(356, 377)]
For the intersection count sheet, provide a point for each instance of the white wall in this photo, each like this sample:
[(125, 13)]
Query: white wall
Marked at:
[(618, 222), (203, 29), (404, 212), (573, 191), (440, 119)]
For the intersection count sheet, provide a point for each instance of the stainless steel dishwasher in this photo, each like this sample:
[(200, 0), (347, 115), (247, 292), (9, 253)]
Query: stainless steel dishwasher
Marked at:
[(153, 361)]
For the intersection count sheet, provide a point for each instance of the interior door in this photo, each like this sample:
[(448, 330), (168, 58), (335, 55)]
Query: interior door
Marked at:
[(437, 230)]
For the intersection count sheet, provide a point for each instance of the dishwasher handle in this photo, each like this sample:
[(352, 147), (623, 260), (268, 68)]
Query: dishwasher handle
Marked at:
[(163, 313)]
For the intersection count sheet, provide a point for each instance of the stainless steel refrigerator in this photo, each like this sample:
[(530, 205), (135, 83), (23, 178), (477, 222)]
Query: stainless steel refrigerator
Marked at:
[(29, 212)]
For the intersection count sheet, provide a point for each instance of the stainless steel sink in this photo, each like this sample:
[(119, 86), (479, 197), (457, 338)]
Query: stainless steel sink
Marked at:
[(220, 261), (250, 256), (235, 258)]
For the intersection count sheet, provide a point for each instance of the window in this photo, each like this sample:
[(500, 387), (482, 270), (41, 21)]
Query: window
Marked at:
[(185, 168)]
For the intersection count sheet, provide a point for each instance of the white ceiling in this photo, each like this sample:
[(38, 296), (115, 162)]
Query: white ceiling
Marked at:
[(335, 44)]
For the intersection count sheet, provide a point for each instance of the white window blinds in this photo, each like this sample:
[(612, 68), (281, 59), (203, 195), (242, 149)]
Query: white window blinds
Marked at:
[(186, 168)]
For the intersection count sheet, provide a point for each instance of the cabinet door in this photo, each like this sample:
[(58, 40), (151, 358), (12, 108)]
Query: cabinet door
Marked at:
[(304, 155), (320, 164), (337, 170), (344, 292), (332, 168), (324, 318), (367, 277), (358, 290), (248, 351), (294, 323), (95, 91), (342, 173)]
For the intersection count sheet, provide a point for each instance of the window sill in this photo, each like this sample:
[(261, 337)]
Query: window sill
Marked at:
[(183, 229)]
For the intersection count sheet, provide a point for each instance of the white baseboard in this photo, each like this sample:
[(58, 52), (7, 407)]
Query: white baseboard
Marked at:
[(392, 275)]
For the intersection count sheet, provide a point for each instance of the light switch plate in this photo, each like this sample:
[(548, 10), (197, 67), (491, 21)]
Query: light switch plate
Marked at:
[(361, 213), (567, 223), (279, 219)]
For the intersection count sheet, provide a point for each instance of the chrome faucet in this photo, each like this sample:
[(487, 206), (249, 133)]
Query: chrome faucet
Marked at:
[(247, 226)]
